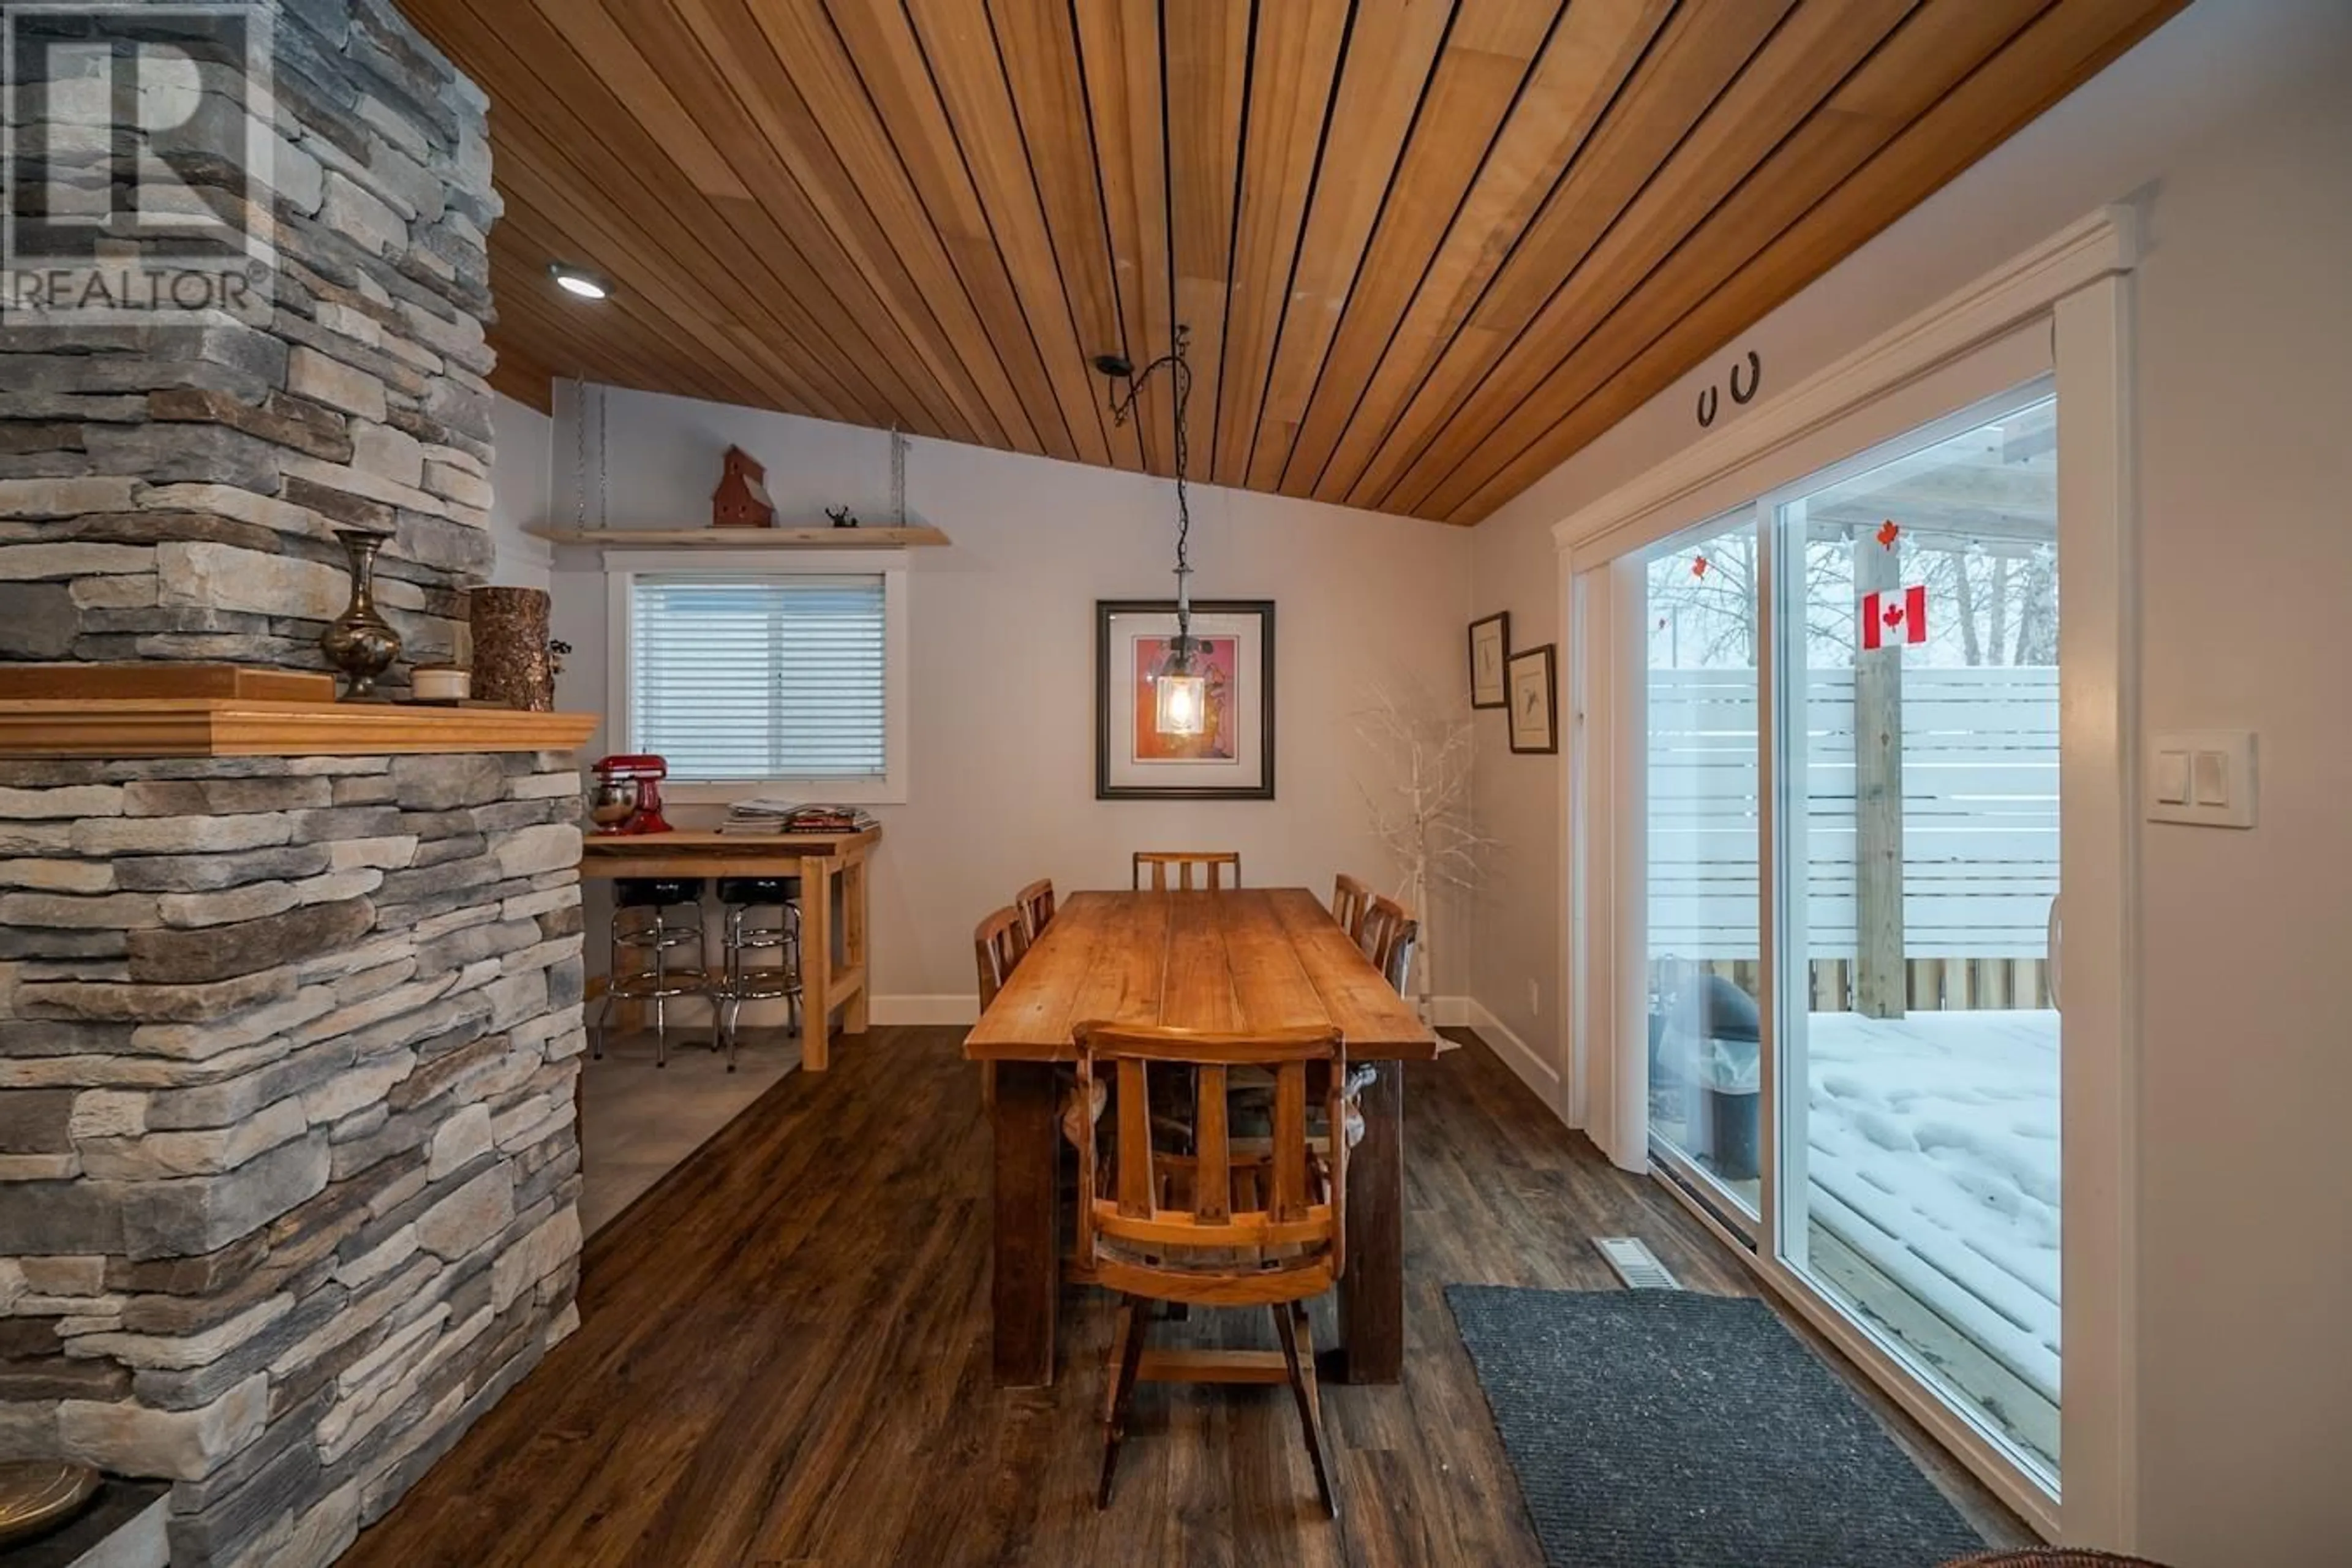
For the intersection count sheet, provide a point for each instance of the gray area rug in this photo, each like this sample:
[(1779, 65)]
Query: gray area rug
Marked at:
[(1666, 1429)]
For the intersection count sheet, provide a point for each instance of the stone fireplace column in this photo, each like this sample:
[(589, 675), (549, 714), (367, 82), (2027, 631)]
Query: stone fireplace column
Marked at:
[(170, 482), (290, 992), (289, 1158)]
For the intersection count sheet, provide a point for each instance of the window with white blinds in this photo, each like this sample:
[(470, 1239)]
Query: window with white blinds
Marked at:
[(775, 678)]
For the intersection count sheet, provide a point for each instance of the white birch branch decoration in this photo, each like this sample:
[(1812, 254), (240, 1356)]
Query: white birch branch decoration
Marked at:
[(1416, 794)]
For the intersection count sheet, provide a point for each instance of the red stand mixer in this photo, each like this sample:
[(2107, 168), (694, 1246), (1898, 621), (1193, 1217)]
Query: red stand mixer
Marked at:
[(627, 796)]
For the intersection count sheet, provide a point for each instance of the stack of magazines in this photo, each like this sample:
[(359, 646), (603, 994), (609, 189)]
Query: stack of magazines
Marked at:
[(759, 817)]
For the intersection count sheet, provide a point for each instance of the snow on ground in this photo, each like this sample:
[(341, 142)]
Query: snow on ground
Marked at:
[(1933, 1147)]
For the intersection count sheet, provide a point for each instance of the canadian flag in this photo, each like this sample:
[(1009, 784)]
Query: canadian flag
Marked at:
[(1885, 615)]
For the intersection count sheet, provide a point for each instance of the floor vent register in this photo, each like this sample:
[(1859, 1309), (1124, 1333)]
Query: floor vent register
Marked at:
[(1635, 1264)]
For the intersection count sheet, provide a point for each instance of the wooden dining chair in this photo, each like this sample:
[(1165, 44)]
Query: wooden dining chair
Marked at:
[(1350, 898), (1213, 1225), (1035, 903), (1219, 868), (1384, 921), (1399, 967), (998, 946)]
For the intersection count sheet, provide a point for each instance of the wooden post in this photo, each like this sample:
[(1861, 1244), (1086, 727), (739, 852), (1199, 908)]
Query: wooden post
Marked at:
[(1880, 976), (816, 962), (1372, 1290), (857, 1012), (1026, 1278)]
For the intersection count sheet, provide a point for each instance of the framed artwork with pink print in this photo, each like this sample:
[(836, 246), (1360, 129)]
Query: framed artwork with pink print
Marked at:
[(1229, 754)]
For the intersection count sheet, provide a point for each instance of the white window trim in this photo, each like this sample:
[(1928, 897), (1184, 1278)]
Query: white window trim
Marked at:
[(622, 569), (2078, 283)]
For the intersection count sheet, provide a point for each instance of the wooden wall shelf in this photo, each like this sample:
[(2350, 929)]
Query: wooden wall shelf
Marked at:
[(826, 538), (146, 681), (244, 727)]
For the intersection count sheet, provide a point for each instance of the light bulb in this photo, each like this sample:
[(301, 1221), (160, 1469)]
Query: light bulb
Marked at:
[(1183, 704)]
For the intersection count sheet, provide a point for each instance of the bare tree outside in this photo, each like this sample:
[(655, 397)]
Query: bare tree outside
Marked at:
[(1973, 521)]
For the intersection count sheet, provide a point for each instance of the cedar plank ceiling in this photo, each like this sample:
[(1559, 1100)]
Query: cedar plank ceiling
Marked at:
[(1427, 249)]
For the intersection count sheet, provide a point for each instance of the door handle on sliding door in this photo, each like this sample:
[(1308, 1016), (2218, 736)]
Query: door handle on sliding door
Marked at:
[(2056, 938)]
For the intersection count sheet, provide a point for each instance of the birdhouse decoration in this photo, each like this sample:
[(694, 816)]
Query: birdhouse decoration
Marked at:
[(741, 499)]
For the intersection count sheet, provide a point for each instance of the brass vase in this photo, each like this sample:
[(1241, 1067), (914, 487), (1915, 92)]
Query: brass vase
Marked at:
[(514, 665), (359, 642)]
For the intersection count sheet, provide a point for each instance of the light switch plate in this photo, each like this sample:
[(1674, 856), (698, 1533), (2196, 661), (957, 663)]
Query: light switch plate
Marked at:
[(2205, 778), (2169, 778)]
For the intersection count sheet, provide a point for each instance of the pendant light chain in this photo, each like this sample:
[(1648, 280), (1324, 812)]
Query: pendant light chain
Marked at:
[(603, 460), (1122, 408), (1183, 376)]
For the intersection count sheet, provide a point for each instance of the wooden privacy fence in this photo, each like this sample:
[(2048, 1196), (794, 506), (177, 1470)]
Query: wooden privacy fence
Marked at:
[(1979, 831), (1932, 984)]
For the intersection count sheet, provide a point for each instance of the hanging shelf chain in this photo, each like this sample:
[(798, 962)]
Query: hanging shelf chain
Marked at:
[(579, 462)]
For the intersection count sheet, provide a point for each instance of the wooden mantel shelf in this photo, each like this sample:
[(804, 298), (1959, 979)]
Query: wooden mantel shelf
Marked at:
[(828, 538), (251, 727)]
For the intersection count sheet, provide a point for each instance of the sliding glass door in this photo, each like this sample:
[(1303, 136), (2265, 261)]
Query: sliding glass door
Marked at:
[(1915, 670), (1703, 865), (1833, 761)]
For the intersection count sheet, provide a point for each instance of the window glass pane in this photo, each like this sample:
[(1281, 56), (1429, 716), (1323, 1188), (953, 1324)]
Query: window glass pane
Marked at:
[(1918, 1040), (760, 678), (1704, 894)]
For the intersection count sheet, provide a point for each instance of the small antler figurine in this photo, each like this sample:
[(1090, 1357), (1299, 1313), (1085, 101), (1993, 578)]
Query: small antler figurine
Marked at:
[(842, 516)]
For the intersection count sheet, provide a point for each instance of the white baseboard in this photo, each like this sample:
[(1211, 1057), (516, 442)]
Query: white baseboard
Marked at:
[(1518, 1054), (963, 1010)]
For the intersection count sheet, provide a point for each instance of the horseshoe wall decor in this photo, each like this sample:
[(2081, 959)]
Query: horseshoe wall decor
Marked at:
[(1710, 404), (1755, 379)]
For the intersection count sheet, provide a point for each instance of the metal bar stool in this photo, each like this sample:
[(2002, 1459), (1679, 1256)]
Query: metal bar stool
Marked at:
[(747, 931), (643, 930)]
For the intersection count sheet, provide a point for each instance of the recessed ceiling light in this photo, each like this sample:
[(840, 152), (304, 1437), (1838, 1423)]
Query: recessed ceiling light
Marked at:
[(571, 281)]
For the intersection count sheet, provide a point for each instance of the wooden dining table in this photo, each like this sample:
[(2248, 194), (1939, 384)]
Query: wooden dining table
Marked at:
[(1239, 959)]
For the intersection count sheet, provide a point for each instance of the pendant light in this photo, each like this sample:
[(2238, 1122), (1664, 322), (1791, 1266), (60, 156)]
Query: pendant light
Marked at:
[(1180, 689)]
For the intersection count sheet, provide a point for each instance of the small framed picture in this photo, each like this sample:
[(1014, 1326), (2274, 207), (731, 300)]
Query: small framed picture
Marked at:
[(1535, 701), (1224, 751), (1490, 649)]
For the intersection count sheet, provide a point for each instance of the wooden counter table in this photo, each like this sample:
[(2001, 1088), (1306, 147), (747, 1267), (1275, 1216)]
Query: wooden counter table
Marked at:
[(830, 866), (1252, 958)]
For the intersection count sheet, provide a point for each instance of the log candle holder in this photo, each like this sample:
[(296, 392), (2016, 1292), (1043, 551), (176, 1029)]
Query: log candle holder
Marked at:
[(513, 665)]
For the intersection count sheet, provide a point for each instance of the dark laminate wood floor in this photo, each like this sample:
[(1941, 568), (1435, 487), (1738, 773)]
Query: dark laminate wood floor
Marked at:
[(784, 1361)]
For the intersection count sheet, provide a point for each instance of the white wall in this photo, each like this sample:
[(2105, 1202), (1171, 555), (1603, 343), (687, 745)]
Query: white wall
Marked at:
[(2231, 127), (2133, 131), (2246, 547), (1003, 627), (520, 478)]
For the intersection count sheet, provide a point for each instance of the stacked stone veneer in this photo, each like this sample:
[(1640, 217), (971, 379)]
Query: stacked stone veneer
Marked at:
[(287, 1155), (170, 491)]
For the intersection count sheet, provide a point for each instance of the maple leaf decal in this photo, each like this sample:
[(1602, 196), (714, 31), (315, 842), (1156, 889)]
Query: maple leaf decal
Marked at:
[(1888, 533)]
